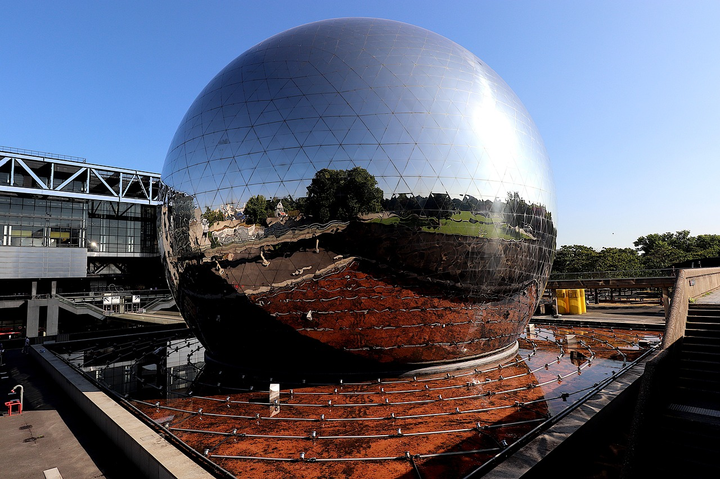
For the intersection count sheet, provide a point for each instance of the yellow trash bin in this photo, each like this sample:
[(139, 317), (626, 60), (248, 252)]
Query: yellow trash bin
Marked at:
[(574, 302), (562, 301)]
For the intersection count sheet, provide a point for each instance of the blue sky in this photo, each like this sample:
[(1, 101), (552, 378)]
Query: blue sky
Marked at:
[(625, 93)]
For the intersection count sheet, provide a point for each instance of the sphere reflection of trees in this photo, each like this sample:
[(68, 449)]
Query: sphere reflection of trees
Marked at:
[(342, 195), (256, 210)]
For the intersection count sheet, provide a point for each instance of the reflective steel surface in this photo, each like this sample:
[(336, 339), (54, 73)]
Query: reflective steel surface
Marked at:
[(356, 194)]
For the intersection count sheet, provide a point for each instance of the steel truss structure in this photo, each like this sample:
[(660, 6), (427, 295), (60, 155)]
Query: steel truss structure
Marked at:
[(31, 172)]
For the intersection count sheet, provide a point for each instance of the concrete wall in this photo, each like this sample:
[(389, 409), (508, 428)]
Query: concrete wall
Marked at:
[(33, 317), (18, 262), (690, 284), (156, 457)]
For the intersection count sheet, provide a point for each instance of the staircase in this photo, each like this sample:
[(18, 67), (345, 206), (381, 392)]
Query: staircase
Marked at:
[(698, 374), (163, 302), (687, 432), (80, 308)]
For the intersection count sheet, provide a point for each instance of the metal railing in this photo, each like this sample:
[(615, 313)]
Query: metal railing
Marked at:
[(634, 273), (89, 308), (16, 296), (44, 154), (98, 295), (160, 301)]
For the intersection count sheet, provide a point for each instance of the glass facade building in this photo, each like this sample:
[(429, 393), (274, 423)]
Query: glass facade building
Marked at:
[(39, 222), (357, 194), (115, 229), (99, 226), (51, 206)]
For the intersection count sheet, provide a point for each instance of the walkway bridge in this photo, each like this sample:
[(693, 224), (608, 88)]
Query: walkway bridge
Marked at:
[(119, 304), (662, 279)]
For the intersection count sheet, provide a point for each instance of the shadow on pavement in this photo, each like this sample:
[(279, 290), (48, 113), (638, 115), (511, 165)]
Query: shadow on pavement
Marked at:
[(40, 393)]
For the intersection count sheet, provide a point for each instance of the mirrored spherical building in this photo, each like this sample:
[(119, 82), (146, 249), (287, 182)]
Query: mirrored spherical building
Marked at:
[(357, 195)]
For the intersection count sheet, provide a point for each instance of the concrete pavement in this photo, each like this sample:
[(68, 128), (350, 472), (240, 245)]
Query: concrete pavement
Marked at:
[(632, 315), (713, 297), (37, 441), (52, 432)]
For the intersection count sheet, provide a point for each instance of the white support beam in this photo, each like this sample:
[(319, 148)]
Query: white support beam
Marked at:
[(31, 173), (143, 188), (99, 177), (133, 178), (62, 166), (82, 196), (72, 177)]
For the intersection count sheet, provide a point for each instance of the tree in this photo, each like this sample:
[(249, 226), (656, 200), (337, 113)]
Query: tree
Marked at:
[(663, 250), (439, 205), (402, 204), (654, 251), (342, 194), (323, 194), (301, 204), (256, 210), (666, 249), (618, 259), (517, 211), (467, 203), (707, 246), (575, 259), (288, 203), (270, 207), (361, 193), (212, 216)]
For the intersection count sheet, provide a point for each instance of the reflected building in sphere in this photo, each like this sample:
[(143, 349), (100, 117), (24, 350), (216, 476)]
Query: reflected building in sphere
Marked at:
[(357, 195)]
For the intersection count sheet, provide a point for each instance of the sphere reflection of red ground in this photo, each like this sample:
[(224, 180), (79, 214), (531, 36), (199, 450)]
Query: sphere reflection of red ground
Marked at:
[(372, 317)]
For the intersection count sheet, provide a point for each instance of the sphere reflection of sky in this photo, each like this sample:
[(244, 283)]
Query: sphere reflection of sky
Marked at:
[(419, 112)]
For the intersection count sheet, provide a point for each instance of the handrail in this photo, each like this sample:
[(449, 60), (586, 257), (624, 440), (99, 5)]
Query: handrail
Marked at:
[(634, 273), (691, 283), (88, 306), (15, 297), (129, 292), (157, 301), (529, 436), (44, 154)]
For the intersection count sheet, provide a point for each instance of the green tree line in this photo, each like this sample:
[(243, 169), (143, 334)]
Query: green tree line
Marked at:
[(332, 195), (654, 251)]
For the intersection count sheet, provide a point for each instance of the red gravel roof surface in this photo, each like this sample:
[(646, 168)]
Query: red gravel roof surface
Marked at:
[(444, 425)]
